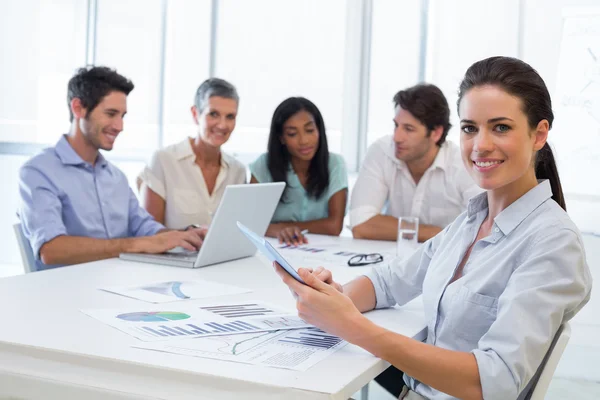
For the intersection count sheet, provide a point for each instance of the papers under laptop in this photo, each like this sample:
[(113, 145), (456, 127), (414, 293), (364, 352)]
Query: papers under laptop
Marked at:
[(253, 205)]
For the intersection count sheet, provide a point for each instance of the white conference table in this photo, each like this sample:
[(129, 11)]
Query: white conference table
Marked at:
[(49, 349)]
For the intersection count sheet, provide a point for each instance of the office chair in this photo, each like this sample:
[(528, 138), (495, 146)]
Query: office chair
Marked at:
[(540, 382), (25, 249)]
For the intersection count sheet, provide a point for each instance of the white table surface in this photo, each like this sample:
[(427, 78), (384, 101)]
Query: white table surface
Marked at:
[(49, 349)]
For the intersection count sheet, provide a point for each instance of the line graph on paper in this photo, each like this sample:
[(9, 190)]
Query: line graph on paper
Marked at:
[(283, 322), (289, 349), (235, 344)]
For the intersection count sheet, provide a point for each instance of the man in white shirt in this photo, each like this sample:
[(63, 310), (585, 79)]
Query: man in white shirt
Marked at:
[(414, 172)]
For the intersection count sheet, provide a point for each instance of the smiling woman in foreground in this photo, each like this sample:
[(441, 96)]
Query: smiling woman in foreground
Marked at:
[(499, 281)]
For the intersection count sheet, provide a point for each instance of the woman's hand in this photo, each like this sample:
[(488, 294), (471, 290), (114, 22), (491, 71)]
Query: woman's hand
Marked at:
[(291, 235), (325, 275), (323, 305)]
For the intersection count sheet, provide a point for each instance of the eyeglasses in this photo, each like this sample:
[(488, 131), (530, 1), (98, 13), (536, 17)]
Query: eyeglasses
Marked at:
[(365, 259)]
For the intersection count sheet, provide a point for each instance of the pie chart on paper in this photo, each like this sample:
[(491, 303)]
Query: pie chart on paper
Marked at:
[(153, 316)]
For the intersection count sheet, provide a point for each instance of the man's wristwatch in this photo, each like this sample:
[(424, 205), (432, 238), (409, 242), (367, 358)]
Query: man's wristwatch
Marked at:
[(191, 226)]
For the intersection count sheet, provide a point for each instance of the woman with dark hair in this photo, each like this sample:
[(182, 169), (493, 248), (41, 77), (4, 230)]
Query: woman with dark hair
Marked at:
[(316, 180), (499, 281)]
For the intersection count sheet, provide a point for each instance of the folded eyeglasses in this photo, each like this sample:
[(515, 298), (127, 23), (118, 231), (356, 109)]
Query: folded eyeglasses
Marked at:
[(365, 259)]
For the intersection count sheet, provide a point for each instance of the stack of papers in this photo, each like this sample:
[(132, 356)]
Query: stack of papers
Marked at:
[(254, 333)]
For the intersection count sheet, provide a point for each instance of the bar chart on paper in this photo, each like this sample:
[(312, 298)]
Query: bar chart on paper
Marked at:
[(200, 329), (311, 338), (239, 310), (198, 321)]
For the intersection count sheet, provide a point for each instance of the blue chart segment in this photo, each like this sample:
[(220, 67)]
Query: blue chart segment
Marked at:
[(172, 289), (239, 310), (199, 329), (312, 338)]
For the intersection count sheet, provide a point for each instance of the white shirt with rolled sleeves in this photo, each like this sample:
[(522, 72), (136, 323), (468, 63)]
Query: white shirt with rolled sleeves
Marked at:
[(518, 286), (174, 175), (440, 196)]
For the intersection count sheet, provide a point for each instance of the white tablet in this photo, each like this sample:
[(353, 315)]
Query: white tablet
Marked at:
[(269, 251)]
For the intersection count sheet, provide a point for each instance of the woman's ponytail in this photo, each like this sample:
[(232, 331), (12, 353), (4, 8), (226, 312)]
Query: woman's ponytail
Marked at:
[(545, 168)]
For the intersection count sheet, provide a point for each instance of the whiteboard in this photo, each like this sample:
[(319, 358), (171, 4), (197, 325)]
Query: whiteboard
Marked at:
[(575, 135)]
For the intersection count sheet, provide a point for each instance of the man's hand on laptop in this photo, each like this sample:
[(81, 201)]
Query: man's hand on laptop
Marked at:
[(190, 240), (201, 230)]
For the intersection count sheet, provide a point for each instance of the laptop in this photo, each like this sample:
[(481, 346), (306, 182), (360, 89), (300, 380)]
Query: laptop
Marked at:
[(251, 204)]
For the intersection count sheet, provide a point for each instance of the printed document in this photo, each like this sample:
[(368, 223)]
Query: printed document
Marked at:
[(186, 320), (297, 349)]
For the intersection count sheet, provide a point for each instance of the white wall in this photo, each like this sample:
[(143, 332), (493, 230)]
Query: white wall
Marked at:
[(464, 31), (542, 34), (541, 48)]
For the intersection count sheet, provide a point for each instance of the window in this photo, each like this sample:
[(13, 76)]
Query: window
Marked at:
[(40, 55), (186, 64), (273, 49), (129, 39), (395, 52), (466, 31)]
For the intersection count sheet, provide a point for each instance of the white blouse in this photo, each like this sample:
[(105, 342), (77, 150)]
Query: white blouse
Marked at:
[(517, 287), (174, 175)]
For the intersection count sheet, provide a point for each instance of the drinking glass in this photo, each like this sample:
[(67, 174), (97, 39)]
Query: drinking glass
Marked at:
[(408, 232)]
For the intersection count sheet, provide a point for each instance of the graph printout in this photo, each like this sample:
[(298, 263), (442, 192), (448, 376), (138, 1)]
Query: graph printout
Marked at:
[(163, 292), (297, 349), (184, 320)]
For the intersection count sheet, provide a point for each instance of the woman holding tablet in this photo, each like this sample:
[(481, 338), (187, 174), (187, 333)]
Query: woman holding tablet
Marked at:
[(317, 183), (500, 280)]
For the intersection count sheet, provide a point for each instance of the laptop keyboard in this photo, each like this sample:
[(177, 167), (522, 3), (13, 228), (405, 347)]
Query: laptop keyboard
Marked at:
[(184, 255)]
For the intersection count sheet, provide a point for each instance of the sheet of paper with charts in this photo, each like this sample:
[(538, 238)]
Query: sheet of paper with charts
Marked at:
[(297, 349), (184, 320), (163, 292)]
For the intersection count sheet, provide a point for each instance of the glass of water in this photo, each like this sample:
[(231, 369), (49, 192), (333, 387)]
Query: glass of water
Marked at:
[(408, 232)]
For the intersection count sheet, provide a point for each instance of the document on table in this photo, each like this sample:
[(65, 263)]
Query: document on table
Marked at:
[(297, 349), (185, 320), (163, 292)]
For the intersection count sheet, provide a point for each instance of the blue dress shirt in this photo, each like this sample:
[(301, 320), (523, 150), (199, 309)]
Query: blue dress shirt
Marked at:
[(298, 205), (63, 195), (518, 286)]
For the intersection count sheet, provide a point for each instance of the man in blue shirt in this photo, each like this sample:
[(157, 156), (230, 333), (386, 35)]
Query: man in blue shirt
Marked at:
[(75, 205)]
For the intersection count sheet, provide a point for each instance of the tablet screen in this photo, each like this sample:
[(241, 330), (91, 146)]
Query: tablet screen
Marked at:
[(269, 251)]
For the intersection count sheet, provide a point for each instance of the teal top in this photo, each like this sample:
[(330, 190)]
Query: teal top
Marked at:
[(298, 205)]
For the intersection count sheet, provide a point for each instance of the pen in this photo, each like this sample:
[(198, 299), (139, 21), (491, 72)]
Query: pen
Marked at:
[(302, 232)]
